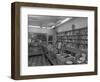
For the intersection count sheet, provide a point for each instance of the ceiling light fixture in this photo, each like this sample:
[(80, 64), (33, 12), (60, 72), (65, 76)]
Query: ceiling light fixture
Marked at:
[(43, 27), (65, 20), (34, 26), (53, 27)]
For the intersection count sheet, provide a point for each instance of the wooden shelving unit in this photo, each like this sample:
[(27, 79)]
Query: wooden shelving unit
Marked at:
[(74, 39)]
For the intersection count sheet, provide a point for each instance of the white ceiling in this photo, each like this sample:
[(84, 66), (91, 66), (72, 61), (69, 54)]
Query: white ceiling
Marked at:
[(44, 21)]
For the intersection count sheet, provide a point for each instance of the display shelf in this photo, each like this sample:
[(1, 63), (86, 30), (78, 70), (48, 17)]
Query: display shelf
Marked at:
[(77, 38)]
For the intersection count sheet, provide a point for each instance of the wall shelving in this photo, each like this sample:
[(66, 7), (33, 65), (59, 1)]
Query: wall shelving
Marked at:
[(77, 38)]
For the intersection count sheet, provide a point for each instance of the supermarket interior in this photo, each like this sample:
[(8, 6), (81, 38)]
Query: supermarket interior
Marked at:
[(57, 40)]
